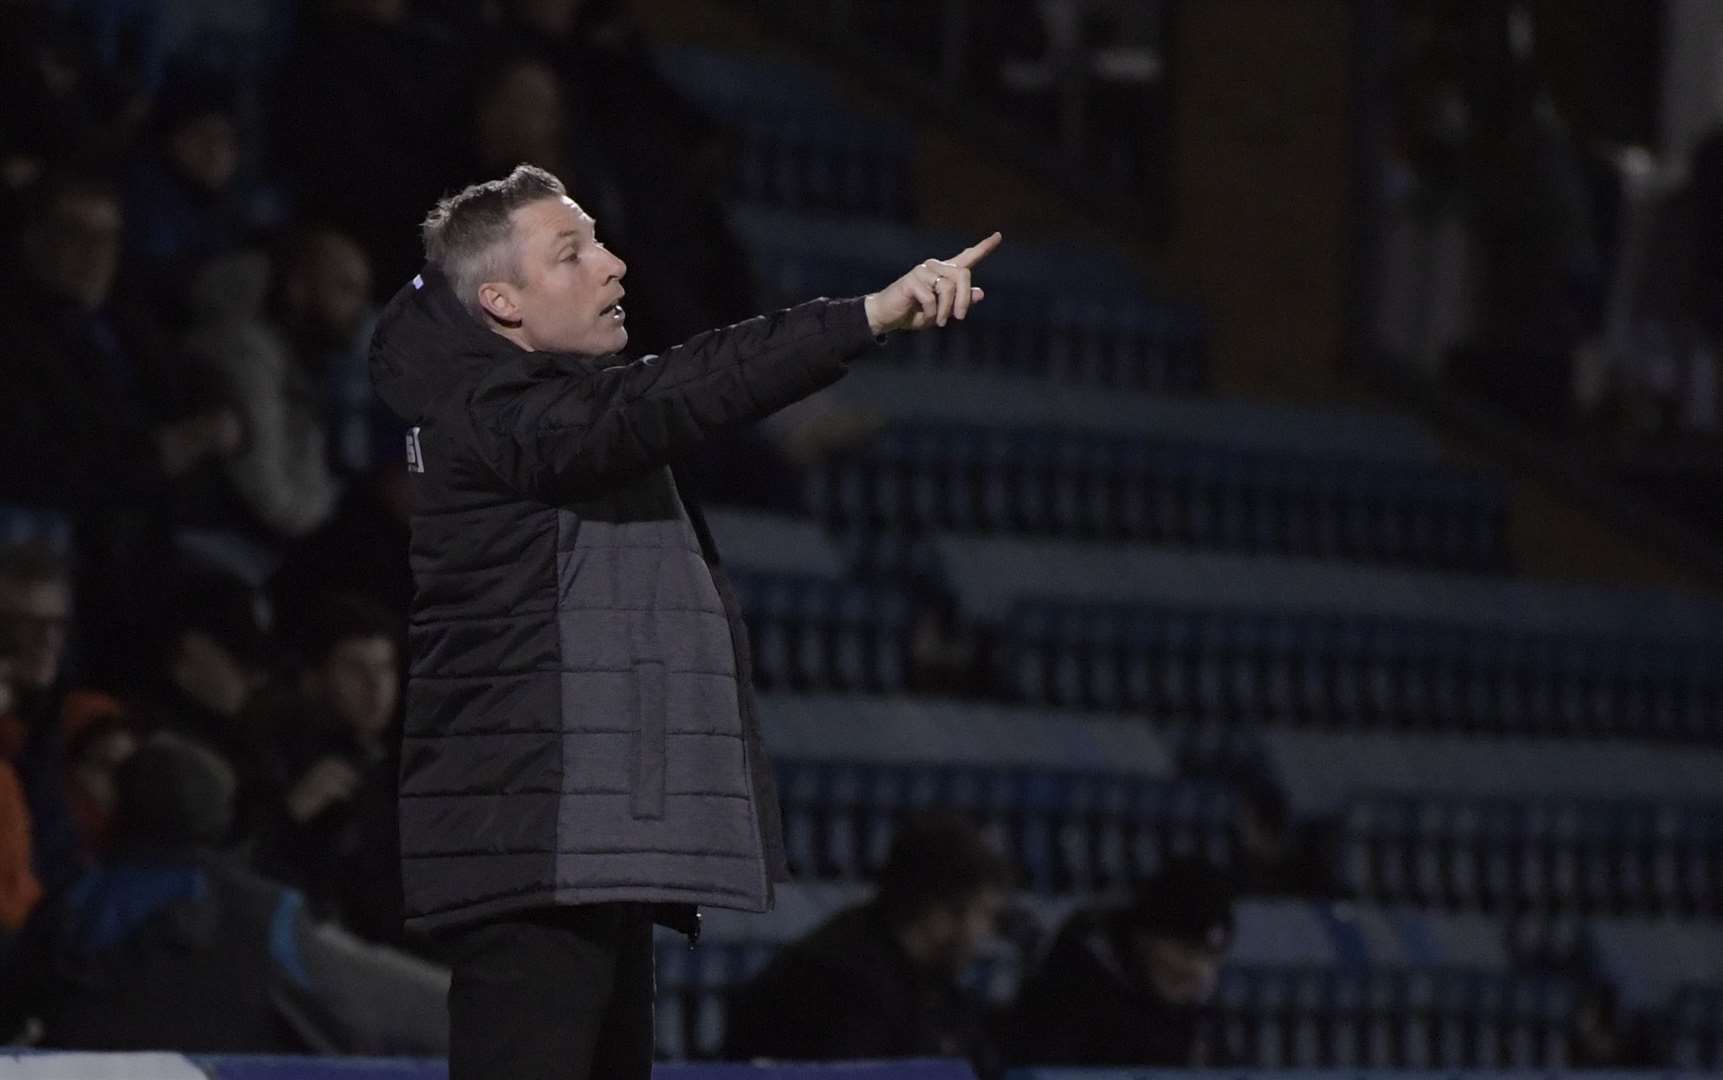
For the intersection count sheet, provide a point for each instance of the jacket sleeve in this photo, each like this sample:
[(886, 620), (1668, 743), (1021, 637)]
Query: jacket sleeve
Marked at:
[(555, 431)]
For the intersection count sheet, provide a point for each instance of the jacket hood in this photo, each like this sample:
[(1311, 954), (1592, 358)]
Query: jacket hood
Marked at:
[(424, 339)]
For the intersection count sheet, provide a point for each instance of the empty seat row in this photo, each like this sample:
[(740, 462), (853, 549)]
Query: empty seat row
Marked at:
[(917, 730), (1121, 344), (1266, 1017), (1581, 855), (798, 144), (811, 163), (1125, 343), (812, 632), (920, 393), (1078, 484), (1076, 318), (1351, 671), (1392, 1018), (1065, 830), (1321, 770)]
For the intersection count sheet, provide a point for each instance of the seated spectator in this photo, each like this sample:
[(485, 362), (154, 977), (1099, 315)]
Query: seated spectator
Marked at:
[(944, 657), (213, 653), (169, 946), (1276, 856), (881, 980), (274, 364), (521, 114), (361, 550), (67, 368), (61, 105), (333, 727), (19, 889), (1131, 985), (1655, 369), (374, 144), (93, 756), (35, 613), (1604, 1036), (183, 202), (666, 160)]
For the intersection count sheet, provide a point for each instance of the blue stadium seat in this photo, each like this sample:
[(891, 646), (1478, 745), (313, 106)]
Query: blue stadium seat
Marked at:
[(1315, 1017), (1067, 830), (1347, 670), (924, 475), (801, 145), (813, 632), (1552, 854)]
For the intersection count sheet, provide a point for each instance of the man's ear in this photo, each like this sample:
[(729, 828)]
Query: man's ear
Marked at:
[(499, 301)]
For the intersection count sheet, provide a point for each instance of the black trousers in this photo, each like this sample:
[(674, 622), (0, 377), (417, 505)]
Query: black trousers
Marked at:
[(553, 994)]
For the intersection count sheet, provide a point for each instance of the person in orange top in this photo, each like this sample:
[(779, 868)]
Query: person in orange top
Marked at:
[(19, 889), (36, 589)]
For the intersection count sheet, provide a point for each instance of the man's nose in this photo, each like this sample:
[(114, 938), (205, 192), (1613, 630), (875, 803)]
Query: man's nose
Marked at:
[(621, 267)]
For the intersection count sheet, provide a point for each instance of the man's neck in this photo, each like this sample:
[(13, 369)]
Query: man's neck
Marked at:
[(515, 335)]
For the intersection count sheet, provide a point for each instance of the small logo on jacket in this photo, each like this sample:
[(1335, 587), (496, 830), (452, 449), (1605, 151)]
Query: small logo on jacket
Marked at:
[(415, 456)]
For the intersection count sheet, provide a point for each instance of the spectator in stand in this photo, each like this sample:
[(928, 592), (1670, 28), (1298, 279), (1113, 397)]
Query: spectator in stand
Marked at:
[(170, 946), (79, 361), (61, 106), (93, 756), (667, 161), (183, 205), (882, 980), (335, 732), (19, 889), (521, 114), (361, 550), (275, 361), (35, 614), (68, 368), (214, 654), (1276, 856), (1131, 985), (1604, 1036), (376, 115), (1657, 372)]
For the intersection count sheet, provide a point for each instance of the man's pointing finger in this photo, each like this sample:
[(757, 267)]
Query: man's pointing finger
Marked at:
[(976, 252)]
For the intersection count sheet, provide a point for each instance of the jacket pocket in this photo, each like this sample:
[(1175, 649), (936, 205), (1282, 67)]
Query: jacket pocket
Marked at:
[(649, 749)]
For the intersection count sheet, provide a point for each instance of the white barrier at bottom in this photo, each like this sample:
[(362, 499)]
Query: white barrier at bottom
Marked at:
[(99, 1067)]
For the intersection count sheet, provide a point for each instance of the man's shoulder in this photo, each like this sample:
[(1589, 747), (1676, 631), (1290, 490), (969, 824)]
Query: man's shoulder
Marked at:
[(1086, 951)]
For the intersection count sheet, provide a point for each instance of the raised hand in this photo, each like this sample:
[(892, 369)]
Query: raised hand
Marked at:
[(930, 294)]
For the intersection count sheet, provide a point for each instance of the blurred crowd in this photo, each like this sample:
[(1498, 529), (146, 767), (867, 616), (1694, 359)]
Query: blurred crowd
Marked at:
[(1565, 274)]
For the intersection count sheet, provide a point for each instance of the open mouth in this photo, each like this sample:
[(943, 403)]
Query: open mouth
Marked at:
[(614, 311)]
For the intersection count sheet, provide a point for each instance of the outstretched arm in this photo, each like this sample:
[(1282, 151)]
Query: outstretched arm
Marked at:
[(558, 430), (930, 294)]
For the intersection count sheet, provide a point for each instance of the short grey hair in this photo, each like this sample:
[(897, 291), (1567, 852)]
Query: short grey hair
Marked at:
[(468, 235)]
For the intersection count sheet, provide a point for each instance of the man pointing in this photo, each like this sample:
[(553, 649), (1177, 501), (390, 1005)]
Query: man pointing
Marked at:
[(581, 757)]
